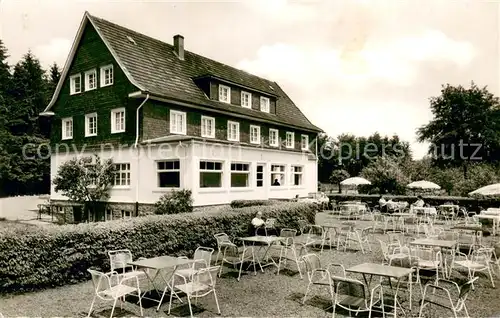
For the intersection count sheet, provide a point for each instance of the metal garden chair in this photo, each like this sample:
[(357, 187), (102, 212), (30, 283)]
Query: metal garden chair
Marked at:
[(354, 296), (288, 245), (316, 275), (110, 287), (201, 284), (478, 261), (202, 259), (437, 294)]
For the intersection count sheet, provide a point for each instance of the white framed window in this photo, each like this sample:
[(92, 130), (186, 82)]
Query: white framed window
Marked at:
[(122, 174), (254, 134), (91, 125), (233, 131), (90, 80), (67, 128), (210, 174), (304, 142), (126, 214), (277, 175), (240, 173), (177, 122), (107, 75), (273, 137), (290, 139), (259, 177), (169, 173), (264, 104), (207, 127), (246, 99), (117, 120), (224, 94), (75, 84), (296, 175)]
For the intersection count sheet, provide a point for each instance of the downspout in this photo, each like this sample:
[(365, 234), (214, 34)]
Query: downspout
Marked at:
[(137, 121)]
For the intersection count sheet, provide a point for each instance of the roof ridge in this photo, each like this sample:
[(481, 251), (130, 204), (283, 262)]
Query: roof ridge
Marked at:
[(269, 81)]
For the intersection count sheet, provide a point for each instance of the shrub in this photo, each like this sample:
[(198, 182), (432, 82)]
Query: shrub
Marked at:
[(247, 203), (177, 201), (58, 255)]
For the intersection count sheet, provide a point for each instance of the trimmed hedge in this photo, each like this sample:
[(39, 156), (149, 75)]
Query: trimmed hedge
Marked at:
[(57, 255), (236, 204)]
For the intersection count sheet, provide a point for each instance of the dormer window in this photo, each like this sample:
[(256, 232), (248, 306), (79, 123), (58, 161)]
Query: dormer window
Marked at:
[(246, 99), (224, 94), (90, 80), (75, 84), (264, 104)]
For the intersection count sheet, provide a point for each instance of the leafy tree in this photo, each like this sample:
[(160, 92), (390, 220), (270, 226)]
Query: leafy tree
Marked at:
[(465, 127), (325, 157), (337, 176), (418, 169), (386, 176), (86, 181)]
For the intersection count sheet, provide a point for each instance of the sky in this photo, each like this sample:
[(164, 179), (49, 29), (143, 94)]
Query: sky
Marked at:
[(351, 66)]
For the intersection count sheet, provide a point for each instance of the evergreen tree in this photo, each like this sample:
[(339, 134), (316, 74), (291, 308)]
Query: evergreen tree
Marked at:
[(53, 77), (28, 91), (5, 82), (28, 169)]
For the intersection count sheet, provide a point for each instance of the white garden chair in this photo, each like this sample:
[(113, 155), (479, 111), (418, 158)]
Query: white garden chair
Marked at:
[(110, 287), (478, 261), (235, 256), (437, 294), (120, 262), (223, 242), (314, 236), (390, 255), (202, 259), (353, 296), (347, 235), (316, 275), (270, 225), (428, 259), (201, 284), (288, 245)]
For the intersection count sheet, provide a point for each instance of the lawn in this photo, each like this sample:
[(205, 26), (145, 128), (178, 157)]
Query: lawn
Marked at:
[(265, 294)]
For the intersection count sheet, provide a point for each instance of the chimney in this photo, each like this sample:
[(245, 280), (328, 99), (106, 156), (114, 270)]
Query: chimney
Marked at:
[(179, 46)]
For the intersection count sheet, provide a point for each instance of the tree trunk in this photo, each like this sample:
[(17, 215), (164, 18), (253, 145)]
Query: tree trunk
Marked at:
[(465, 169), (340, 190)]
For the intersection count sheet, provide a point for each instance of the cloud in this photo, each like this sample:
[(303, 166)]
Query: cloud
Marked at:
[(56, 50), (284, 10), (355, 65)]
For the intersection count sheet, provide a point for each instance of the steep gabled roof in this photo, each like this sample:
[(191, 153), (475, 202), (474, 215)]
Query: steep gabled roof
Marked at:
[(152, 66)]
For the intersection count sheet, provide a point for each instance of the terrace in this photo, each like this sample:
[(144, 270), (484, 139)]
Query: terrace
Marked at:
[(268, 293)]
